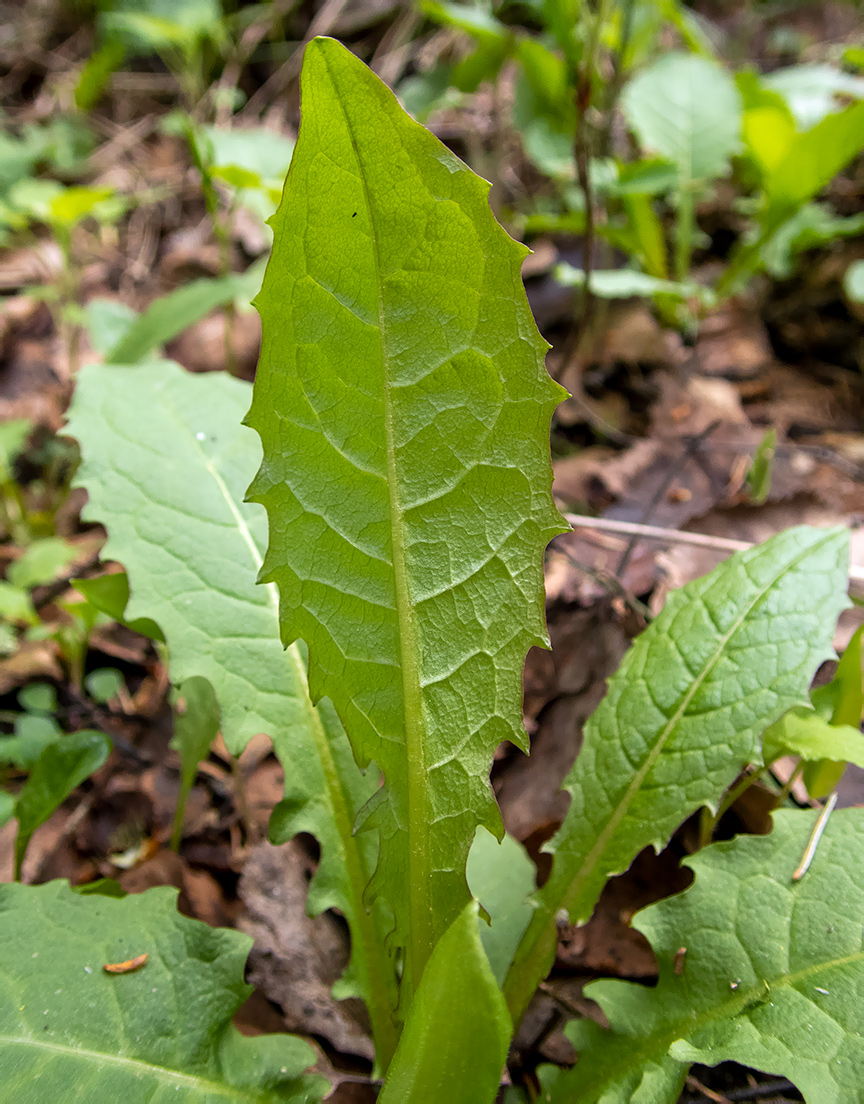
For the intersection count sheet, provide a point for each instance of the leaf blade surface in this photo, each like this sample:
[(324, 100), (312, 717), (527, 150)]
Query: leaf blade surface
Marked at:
[(683, 715), (403, 409), (770, 976), (163, 1032)]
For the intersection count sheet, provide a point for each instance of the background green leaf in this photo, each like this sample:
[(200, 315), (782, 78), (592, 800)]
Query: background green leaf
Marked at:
[(404, 411), (683, 715), (68, 1030), (771, 977), (166, 462), (63, 764), (687, 109)]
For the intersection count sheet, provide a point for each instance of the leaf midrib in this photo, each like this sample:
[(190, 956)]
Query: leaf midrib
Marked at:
[(138, 1066), (419, 873), (621, 810), (686, 1028)]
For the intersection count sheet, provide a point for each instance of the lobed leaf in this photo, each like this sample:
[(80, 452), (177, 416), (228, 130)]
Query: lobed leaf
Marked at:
[(404, 411), (729, 654), (71, 1031), (771, 976), (166, 462)]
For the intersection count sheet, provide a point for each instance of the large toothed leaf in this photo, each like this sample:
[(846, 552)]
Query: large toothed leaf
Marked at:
[(70, 1031), (728, 655), (771, 975), (166, 462), (404, 410)]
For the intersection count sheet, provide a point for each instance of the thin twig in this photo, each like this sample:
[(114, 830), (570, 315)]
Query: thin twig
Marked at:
[(277, 82), (676, 536), (673, 471)]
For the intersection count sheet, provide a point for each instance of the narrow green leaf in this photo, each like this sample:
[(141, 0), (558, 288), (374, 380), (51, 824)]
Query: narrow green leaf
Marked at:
[(7, 807), (169, 315), (683, 715), (842, 699), (771, 977), (196, 722), (166, 462), (404, 410), (63, 765), (71, 1031), (455, 1040), (761, 470)]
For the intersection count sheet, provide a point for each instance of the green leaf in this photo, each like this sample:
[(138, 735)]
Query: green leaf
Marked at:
[(729, 654), (110, 595), (7, 807), (771, 977), (404, 410), (813, 225), (812, 90), (16, 605), (687, 109), (626, 283), (759, 475), (104, 683), (69, 1030), (501, 877), (813, 159), (803, 732), (63, 765), (260, 151), (192, 549), (38, 697), (42, 562), (455, 1039), (107, 321), (169, 315), (32, 735), (196, 722), (13, 438), (842, 699)]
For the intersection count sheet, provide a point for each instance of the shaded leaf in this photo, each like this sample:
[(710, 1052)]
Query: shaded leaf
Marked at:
[(110, 595), (166, 463), (771, 979), (32, 735), (68, 1030), (62, 766)]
